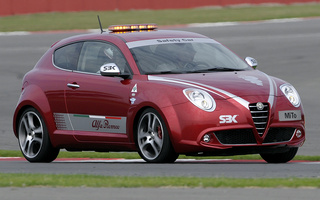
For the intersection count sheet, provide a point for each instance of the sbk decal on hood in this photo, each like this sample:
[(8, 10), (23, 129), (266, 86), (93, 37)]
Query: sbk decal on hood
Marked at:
[(270, 89)]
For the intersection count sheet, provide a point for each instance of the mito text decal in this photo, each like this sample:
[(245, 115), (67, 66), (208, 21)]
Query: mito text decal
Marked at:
[(290, 115)]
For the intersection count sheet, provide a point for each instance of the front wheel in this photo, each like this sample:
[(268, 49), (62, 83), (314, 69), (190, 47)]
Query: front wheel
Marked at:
[(34, 139), (153, 140), (280, 157)]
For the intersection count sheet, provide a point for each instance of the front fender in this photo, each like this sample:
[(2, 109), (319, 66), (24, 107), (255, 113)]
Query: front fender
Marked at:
[(156, 96)]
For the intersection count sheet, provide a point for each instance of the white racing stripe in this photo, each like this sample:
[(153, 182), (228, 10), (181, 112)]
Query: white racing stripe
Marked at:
[(208, 88), (272, 91), (183, 82), (223, 93)]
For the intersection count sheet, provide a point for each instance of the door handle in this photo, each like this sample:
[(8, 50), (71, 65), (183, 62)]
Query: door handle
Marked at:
[(73, 85)]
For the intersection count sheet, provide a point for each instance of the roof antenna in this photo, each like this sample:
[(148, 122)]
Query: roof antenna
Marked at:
[(100, 24)]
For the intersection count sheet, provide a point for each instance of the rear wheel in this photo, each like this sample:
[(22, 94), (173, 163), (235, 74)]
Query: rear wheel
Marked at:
[(34, 139), (280, 157), (153, 140)]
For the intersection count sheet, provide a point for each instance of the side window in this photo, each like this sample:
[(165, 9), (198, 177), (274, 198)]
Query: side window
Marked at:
[(67, 57), (96, 54)]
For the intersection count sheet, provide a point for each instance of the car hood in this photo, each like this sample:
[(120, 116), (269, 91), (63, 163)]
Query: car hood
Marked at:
[(243, 86)]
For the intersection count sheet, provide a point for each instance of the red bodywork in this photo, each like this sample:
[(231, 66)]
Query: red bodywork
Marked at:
[(45, 88)]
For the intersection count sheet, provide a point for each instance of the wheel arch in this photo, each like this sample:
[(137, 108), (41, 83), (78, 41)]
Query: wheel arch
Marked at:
[(167, 154), (137, 116), (34, 97), (136, 120)]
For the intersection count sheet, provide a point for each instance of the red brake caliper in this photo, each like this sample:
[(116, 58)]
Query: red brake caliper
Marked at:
[(159, 132)]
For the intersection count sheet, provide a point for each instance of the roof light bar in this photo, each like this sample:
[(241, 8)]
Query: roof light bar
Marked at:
[(132, 27)]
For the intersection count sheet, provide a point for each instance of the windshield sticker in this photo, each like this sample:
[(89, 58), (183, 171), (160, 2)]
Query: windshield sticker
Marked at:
[(175, 40), (142, 43)]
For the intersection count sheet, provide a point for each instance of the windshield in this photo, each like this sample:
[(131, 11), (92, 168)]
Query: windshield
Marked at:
[(165, 56)]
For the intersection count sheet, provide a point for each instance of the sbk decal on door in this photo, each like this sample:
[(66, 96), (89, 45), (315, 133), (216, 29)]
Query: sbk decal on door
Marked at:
[(228, 119)]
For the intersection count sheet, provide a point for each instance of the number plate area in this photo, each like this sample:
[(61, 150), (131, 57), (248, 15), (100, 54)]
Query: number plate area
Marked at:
[(290, 115)]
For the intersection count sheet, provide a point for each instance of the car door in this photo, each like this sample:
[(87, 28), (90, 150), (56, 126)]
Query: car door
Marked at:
[(98, 105), (65, 60)]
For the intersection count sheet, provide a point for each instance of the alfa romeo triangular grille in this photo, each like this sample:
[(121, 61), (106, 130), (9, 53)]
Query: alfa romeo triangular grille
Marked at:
[(260, 115)]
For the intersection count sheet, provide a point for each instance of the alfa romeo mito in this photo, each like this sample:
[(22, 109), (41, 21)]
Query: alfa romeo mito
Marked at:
[(161, 93)]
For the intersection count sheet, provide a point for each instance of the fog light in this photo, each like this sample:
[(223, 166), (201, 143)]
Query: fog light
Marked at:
[(298, 133), (206, 138)]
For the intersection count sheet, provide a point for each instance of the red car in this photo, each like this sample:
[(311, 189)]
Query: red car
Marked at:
[(159, 92)]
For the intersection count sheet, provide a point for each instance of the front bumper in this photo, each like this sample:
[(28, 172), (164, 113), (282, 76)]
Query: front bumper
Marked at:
[(241, 136)]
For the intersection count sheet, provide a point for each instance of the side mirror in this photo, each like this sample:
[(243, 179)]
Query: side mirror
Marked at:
[(251, 62), (111, 69)]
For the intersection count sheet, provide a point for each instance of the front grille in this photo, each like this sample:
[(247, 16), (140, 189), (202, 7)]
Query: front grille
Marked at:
[(238, 136), (260, 117), (279, 135)]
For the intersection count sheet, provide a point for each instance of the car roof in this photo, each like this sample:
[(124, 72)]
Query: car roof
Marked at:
[(129, 36)]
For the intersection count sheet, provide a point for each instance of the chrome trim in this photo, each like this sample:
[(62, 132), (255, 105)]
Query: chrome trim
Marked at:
[(71, 85), (264, 117)]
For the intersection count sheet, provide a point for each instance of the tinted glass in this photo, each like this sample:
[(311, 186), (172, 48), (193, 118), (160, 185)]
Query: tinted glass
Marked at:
[(96, 54), (190, 57), (67, 57)]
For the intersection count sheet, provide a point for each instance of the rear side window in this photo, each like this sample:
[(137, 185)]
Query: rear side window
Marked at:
[(67, 57), (95, 54)]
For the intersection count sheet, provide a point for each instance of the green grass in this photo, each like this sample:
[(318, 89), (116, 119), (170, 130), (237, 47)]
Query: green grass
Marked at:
[(133, 155), (31, 180), (88, 20)]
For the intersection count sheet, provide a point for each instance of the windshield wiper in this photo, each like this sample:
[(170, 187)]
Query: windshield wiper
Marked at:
[(165, 72), (214, 69)]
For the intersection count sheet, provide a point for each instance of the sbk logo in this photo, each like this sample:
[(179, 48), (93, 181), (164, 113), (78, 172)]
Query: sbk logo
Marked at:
[(228, 119)]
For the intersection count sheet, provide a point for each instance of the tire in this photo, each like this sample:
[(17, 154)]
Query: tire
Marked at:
[(34, 141), (280, 157), (152, 139)]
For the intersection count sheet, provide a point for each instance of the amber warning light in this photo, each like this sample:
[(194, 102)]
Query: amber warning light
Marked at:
[(132, 27)]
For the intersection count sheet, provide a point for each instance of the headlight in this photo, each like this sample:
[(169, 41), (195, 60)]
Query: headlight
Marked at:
[(291, 94), (201, 99)]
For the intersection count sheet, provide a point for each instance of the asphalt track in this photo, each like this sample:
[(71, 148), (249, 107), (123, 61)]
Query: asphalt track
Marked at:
[(285, 49), (181, 168), (158, 193)]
